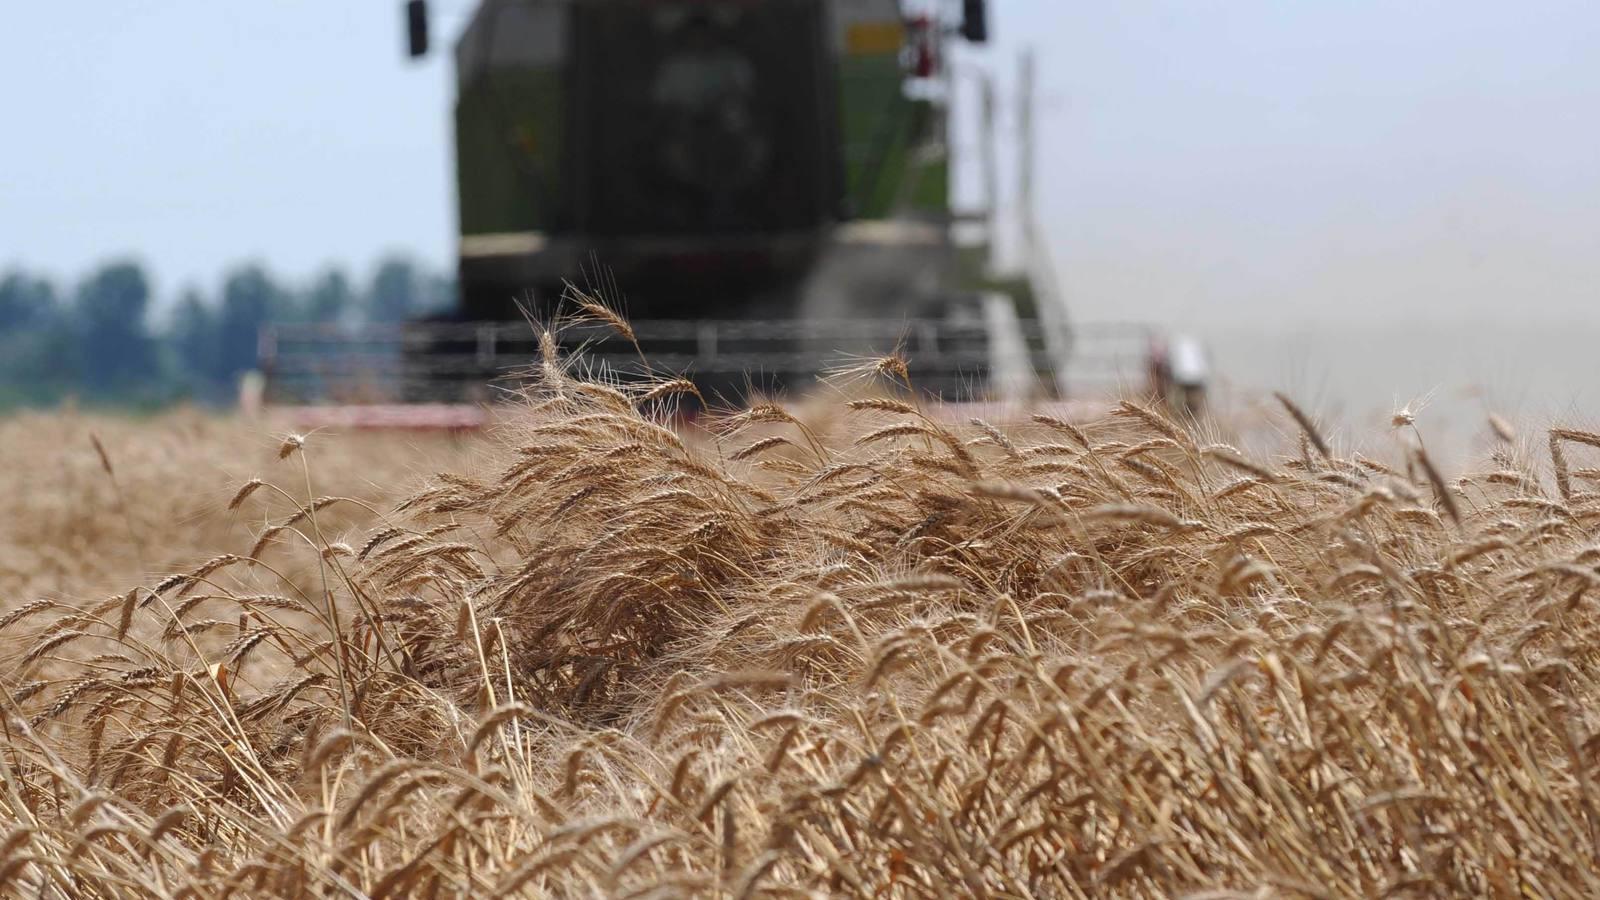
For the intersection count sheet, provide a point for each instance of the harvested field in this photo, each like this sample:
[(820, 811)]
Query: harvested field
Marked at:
[(78, 523), (865, 652)]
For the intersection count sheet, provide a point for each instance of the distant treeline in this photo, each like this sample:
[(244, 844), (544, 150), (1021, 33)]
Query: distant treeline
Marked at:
[(106, 341)]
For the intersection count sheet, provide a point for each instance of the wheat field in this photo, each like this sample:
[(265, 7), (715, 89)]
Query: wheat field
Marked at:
[(846, 647)]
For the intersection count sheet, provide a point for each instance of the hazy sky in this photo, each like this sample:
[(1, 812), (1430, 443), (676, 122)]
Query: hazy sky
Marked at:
[(1200, 162)]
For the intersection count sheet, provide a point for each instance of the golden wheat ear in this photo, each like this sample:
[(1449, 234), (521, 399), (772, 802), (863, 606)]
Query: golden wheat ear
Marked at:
[(860, 646)]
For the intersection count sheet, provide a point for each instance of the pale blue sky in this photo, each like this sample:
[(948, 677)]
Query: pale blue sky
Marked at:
[(1200, 161)]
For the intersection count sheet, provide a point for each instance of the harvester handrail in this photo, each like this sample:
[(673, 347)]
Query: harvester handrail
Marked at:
[(308, 362)]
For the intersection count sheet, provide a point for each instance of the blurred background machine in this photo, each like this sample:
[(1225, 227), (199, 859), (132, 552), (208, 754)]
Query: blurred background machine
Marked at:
[(763, 187)]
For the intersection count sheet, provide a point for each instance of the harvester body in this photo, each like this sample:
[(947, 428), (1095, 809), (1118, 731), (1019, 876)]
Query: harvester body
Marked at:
[(703, 153), (763, 187)]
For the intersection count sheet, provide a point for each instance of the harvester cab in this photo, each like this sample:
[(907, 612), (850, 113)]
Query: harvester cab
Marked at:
[(761, 186), (689, 148)]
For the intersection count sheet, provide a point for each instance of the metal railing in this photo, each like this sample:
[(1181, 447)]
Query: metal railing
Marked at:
[(475, 362)]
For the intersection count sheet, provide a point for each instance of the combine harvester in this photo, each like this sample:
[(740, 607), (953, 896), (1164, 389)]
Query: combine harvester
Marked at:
[(767, 181)]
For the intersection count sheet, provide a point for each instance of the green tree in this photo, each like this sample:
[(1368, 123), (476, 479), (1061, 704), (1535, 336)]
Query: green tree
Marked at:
[(117, 356), (395, 290), (330, 298), (25, 301), (250, 299), (192, 334), (99, 339), (36, 360)]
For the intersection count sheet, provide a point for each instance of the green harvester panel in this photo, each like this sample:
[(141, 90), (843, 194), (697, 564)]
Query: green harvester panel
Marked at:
[(509, 152), (880, 127), (513, 152)]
